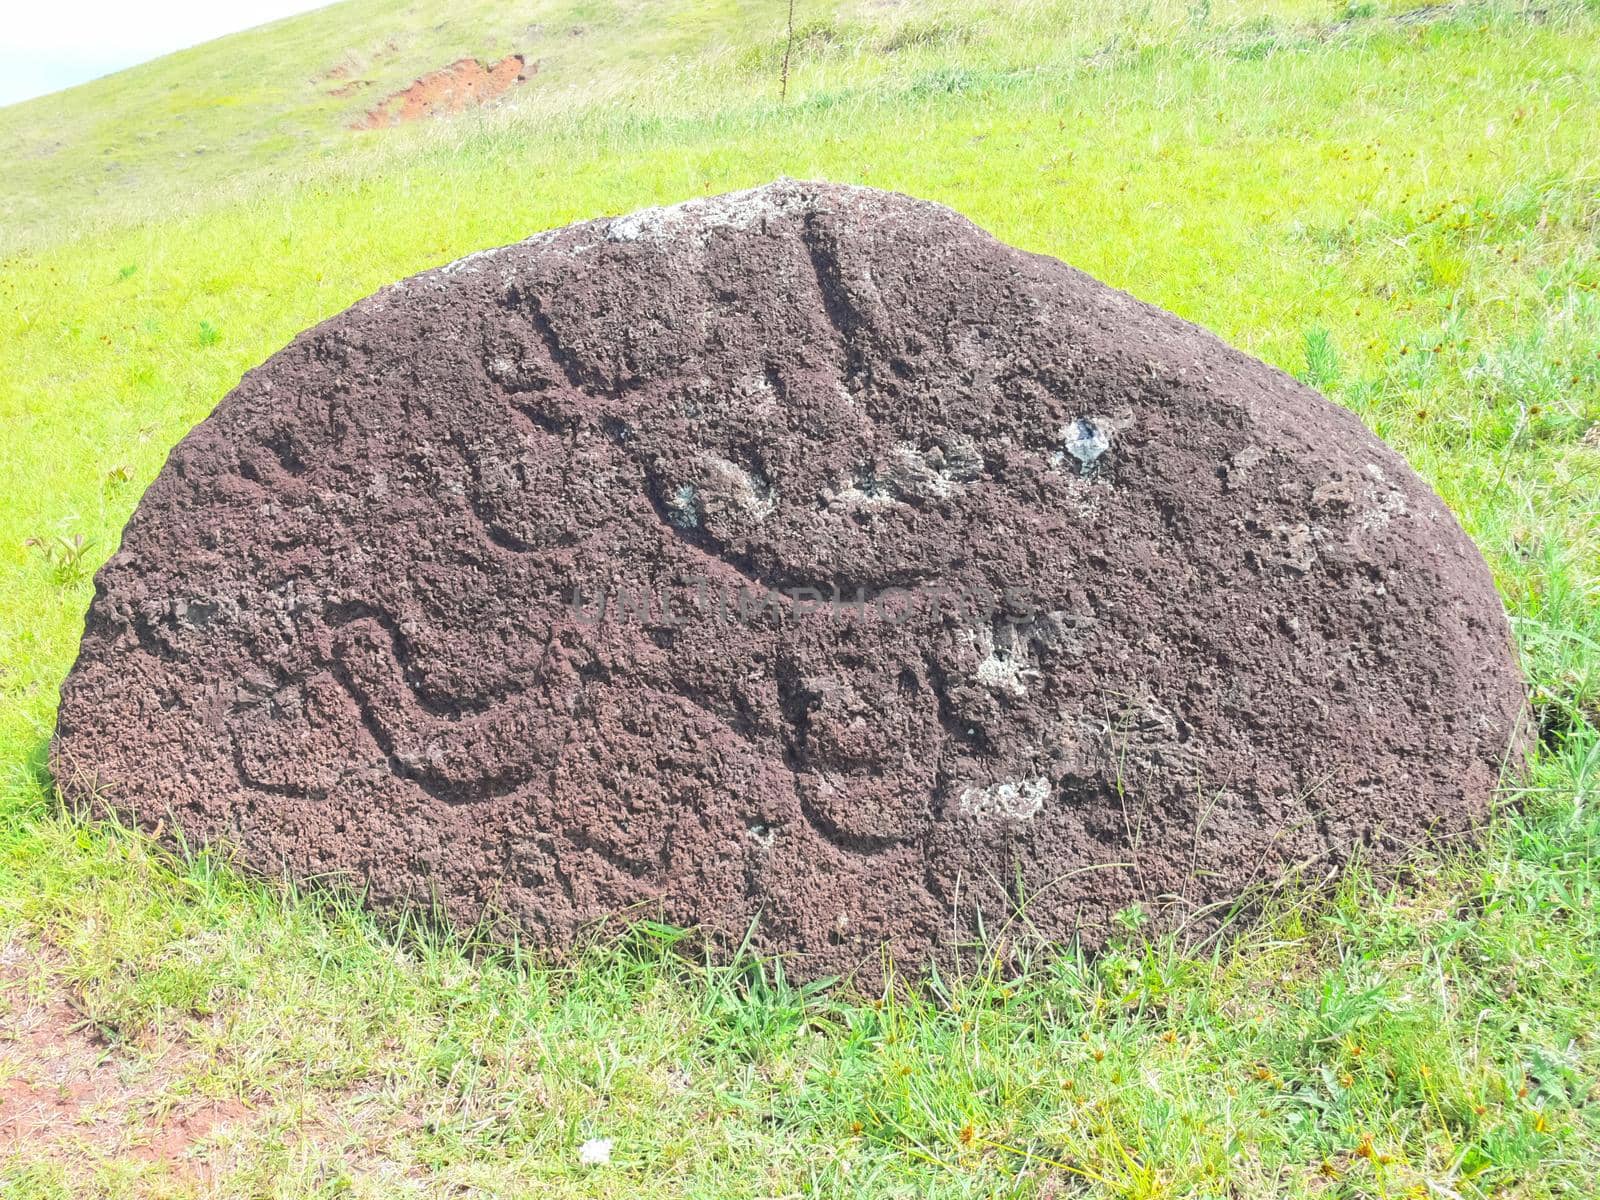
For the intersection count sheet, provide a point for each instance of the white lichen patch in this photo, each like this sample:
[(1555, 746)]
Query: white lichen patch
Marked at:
[(1370, 500), (1003, 661), (1009, 799), (1390, 505), (865, 489), (470, 263), (752, 493), (1144, 734), (734, 211), (1003, 675), (1385, 502), (936, 473), (910, 473)]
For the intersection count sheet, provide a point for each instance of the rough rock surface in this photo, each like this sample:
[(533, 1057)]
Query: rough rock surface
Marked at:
[(1125, 616)]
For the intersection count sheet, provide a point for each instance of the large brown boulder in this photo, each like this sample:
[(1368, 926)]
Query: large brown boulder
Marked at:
[(803, 558)]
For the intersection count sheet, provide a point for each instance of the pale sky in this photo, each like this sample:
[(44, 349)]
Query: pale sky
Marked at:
[(47, 45)]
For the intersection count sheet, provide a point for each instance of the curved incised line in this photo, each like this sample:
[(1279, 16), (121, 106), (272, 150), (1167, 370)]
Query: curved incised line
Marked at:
[(452, 707), (480, 753)]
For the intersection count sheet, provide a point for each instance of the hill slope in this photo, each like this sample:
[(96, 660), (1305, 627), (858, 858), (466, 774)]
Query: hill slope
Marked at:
[(284, 95), (282, 100)]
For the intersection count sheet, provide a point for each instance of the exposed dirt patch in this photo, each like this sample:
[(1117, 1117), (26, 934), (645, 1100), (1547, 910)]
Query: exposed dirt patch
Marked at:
[(465, 83), (68, 1092)]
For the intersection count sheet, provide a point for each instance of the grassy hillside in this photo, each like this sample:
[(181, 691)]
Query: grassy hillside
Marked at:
[(1401, 206), (282, 98), (279, 101)]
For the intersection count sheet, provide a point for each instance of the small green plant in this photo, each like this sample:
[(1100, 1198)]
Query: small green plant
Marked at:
[(1322, 360), (210, 335), (1131, 919), (64, 553)]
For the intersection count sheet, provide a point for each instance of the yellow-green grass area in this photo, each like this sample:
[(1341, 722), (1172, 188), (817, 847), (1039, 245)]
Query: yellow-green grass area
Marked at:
[(1402, 207), (211, 122)]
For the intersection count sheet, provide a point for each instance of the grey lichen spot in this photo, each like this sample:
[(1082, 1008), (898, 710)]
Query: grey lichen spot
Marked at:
[(760, 497), (1236, 471), (762, 835), (1391, 505), (747, 488), (1369, 497), (1335, 495), (865, 489), (196, 613), (1142, 734), (1086, 442), (1010, 799), (470, 263), (629, 228), (757, 395), (936, 473), (1058, 633), (1292, 547), (683, 507), (1386, 501), (521, 374), (912, 474)]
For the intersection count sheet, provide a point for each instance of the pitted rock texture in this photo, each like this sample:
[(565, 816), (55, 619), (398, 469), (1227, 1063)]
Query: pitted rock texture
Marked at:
[(500, 591)]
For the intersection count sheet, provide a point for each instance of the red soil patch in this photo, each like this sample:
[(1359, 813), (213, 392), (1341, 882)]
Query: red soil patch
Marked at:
[(464, 84), (65, 1090)]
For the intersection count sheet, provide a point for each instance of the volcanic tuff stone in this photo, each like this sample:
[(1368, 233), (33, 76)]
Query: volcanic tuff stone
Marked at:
[(1124, 616)]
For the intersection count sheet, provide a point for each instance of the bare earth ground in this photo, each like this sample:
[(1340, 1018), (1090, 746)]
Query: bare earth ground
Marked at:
[(81, 1105), (70, 1090), (462, 85)]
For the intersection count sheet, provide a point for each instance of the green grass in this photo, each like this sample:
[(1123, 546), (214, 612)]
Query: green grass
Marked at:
[(1402, 208)]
